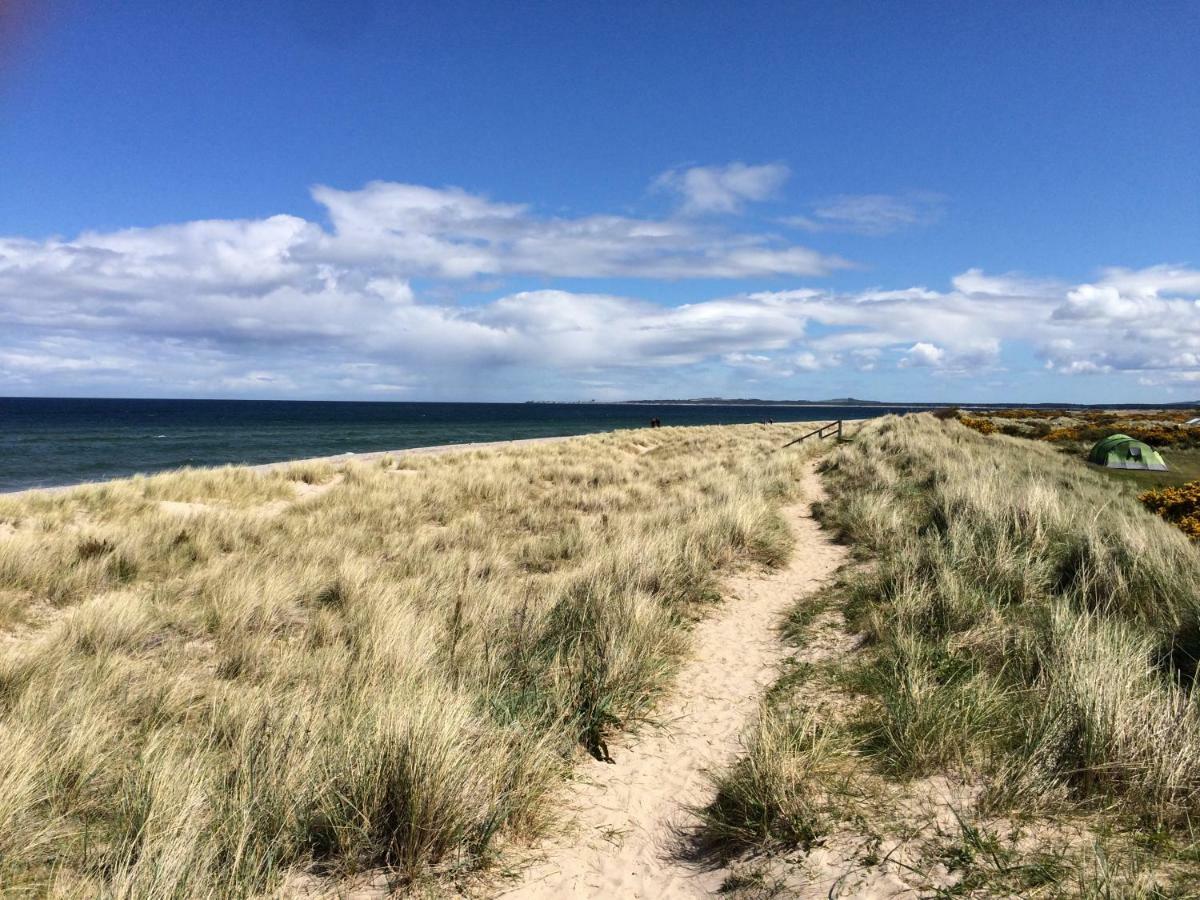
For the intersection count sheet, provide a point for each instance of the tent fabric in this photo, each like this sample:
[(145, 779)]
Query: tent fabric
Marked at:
[(1120, 451)]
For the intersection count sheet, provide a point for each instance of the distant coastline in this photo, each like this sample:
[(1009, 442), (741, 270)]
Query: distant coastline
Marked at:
[(854, 402)]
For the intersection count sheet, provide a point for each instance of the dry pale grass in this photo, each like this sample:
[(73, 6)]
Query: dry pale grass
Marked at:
[(1031, 619), (391, 673), (1030, 631)]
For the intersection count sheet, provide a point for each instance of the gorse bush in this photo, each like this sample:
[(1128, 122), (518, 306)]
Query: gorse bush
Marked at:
[(983, 426), (1159, 428), (213, 681), (1155, 435), (1030, 621), (1180, 505)]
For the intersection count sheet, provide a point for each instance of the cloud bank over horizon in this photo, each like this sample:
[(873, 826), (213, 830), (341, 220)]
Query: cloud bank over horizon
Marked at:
[(405, 293)]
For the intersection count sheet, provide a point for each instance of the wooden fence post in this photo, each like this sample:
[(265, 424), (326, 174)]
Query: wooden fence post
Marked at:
[(831, 427)]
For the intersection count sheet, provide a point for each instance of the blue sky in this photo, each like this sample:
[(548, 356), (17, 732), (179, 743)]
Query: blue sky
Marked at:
[(451, 200)]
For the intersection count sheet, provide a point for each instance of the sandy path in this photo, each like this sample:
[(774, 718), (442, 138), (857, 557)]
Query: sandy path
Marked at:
[(629, 815)]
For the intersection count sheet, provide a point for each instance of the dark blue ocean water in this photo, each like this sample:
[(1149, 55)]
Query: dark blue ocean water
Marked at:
[(46, 442)]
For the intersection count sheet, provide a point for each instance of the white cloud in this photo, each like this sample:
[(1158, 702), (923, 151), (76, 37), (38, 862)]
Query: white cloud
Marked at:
[(923, 354), (588, 330), (806, 362), (757, 366), (871, 214), (975, 282), (969, 358), (339, 328), (866, 359), (286, 307), (722, 189), (267, 274), (28, 363), (284, 279), (1143, 321), (448, 233)]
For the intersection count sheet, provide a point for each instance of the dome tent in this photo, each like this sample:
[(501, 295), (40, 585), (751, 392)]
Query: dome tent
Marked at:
[(1120, 451)]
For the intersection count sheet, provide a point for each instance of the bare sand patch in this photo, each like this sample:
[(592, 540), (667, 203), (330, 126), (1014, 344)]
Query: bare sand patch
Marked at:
[(304, 492), (184, 508)]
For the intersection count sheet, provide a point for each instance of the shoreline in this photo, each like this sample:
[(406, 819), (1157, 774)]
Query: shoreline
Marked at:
[(368, 456), (371, 456)]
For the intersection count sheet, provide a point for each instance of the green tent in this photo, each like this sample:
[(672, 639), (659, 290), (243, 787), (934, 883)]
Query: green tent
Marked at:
[(1120, 451)]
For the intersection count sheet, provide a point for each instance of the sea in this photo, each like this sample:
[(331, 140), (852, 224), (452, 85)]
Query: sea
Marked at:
[(46, 442)]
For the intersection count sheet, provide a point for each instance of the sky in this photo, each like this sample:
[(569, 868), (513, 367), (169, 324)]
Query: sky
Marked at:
[(448, 200)]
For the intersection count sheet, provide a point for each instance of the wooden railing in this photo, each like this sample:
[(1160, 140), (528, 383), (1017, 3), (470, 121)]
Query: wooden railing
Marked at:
[(830, 429)]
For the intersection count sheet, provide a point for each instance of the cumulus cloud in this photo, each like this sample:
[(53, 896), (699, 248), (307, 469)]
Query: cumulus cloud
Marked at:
[(722, 189), (923, 354), (284, 280), (385, 235), (1145, 322), (367, 304), (385, 232), (871, 214), (971, 356), (807, 362), (397, 338), (282, 304)]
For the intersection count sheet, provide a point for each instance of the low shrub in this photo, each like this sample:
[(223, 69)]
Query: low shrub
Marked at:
[(983, 426), (1155, 435), (1179, 505)]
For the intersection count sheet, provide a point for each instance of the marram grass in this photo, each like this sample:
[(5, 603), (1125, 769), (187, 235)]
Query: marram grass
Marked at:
[(1029, 629), (1031, 621), (209, 683)]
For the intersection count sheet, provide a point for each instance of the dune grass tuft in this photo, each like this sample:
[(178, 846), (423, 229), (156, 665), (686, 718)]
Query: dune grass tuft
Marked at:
[(784, 790)]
